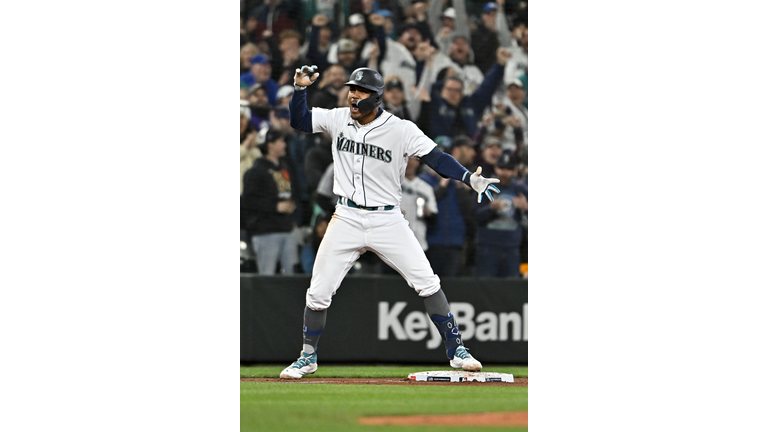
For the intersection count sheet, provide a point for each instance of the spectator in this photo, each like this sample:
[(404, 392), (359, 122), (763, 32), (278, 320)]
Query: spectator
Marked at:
[(275, 16), (425, 58), (448, 18), (297, 146), (453, 230), (410, 37), (415, 38), (490, 152), (267, 205), (248, 149), (361, 46), (394, 98), (449, 112), (460, 59), (284, 95), (518, 63), (319, 42), (347, 56), (499, 232), (316, 161), (513, 103), (286, 56), (448, 24), (417, 15), (500, 123), (366, 7), (259, 107), (333, 9), (397, 58), (524, 80), (344, 52), (247, 52), (516, 33), (261, 72), (330, 87), (243, 35), (309, 251), (325, 198), (343, 101), (389, 24), (250, 29), (485, 39), (418, 203)]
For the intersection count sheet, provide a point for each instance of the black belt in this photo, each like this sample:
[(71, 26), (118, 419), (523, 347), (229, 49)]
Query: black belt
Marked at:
[(353, 204)]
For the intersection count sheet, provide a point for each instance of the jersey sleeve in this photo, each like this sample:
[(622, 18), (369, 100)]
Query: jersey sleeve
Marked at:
[(416, 143), (322, 120)]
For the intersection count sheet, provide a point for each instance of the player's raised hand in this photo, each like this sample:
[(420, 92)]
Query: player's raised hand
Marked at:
[(305, 76), (483, 185)]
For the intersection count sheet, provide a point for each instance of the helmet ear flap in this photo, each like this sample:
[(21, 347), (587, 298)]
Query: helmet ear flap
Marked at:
[(370, 103)]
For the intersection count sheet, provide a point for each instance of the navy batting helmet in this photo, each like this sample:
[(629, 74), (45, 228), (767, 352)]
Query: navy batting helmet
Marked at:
[(371, 80)]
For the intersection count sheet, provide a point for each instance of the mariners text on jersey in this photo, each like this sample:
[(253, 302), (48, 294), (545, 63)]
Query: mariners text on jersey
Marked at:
[(347, 145)]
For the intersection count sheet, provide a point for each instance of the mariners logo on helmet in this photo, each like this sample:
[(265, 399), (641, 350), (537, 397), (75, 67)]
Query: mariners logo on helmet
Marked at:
[(359, 76)]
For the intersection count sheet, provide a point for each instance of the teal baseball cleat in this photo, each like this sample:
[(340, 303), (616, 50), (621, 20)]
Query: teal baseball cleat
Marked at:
[(464, 360), (306, 364)]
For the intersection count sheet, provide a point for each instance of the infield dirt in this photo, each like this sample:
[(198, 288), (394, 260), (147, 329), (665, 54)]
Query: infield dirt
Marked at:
[(481, 419)]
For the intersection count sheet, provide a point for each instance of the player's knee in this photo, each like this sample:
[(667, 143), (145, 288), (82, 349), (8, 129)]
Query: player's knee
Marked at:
[(318, 303), (428, 289)]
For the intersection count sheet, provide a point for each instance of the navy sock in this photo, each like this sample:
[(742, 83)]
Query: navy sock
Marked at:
[(449, 331)]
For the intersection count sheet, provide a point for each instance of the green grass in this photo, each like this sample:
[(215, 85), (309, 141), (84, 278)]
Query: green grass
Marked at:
[(387, 371), (294, 406)]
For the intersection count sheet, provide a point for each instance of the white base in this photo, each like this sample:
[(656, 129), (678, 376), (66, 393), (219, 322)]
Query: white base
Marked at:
[(461, 376)]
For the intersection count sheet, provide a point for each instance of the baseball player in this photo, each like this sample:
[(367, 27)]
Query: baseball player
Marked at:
[(371, 148)]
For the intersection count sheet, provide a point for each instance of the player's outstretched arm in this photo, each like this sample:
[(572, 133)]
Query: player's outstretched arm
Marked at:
[(445, 165), (301, 117)]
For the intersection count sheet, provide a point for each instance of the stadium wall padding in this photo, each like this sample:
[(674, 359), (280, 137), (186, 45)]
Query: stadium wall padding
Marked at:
[(380, 319)]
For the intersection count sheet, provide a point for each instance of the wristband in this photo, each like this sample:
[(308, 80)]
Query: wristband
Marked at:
[(465, 178)]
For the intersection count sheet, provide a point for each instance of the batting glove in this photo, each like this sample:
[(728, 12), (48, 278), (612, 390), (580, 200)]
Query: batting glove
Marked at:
[(483, 185), (305, 75)]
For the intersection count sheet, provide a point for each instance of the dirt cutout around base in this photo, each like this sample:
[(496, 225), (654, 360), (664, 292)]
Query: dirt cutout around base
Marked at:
[(483, 419), (519, 382)]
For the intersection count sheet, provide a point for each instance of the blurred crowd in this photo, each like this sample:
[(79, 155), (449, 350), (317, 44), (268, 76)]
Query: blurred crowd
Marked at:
[(458, 69)]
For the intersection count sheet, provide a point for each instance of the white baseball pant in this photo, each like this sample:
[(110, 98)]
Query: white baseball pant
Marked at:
[(352, 232)]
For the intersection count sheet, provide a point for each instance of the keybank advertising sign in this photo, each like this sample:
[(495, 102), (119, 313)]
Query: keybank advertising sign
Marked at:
[(484, 326), (381, 319)]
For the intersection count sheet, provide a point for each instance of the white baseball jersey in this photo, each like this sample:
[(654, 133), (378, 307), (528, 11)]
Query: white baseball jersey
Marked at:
[(369, 160)]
